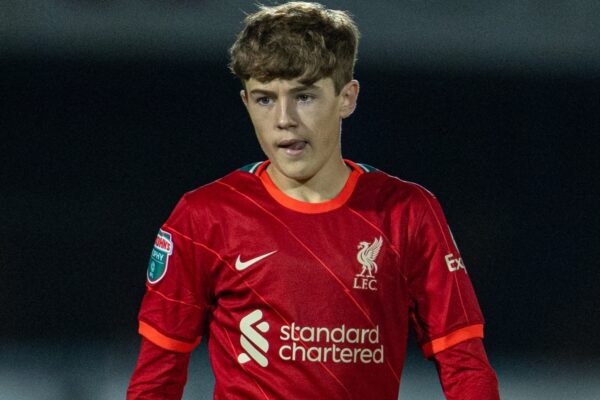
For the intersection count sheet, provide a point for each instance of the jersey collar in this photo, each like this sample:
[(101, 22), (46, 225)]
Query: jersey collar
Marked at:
[(305, 207)]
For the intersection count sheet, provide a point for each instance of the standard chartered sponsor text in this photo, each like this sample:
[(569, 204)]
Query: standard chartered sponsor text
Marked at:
[(338, 345)]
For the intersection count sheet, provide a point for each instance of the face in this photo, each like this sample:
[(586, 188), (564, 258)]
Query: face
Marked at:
[(299, 126)]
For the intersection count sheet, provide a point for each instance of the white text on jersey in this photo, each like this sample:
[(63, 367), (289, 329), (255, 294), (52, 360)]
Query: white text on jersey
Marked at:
[(454, 264)]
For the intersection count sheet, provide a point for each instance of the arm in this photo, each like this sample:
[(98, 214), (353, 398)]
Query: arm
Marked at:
[(159, 374), (173, 310), (445, 313), (465, 372)]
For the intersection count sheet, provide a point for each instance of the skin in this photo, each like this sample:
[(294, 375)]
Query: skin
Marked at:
[(299, 129)]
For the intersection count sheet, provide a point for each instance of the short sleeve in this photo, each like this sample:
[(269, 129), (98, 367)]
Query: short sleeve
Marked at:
[(174, 308), (444, 308)]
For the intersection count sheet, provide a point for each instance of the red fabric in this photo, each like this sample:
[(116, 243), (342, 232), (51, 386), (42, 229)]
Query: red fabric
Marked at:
[(299, 302), (443, 299), (159, 374), (465, 372)]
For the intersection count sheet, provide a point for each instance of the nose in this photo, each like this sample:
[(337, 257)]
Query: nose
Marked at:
[(286, 114)]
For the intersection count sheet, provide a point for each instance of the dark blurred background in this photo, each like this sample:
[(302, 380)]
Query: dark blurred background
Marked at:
[(111, 110)]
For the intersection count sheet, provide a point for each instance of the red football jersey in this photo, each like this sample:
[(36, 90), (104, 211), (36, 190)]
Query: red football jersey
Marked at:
[(301, 300)]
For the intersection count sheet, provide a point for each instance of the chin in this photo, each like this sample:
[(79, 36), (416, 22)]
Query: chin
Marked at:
[(298, 171)]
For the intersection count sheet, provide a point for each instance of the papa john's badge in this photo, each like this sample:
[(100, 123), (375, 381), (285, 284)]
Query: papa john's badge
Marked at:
[(159, 259)]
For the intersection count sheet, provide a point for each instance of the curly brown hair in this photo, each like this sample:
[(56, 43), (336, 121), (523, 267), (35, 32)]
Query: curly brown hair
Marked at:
[(296, 40)]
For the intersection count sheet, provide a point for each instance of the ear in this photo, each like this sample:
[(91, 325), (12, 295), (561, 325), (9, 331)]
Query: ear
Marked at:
[(349, 97), (244, 97)]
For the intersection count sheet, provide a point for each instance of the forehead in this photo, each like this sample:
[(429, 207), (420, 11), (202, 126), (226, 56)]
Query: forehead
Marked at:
[(278, 85)]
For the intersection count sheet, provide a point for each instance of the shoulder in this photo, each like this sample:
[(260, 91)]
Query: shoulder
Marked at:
[(217, 193), (387, 186)]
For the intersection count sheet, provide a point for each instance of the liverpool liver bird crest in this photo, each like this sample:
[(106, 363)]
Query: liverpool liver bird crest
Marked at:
[(366, 256)]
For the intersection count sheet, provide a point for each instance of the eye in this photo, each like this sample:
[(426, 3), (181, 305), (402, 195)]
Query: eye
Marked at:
[(305, 98), (264, 101)]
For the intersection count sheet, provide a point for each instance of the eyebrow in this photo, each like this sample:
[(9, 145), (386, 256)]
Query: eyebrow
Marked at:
[(295, 89)]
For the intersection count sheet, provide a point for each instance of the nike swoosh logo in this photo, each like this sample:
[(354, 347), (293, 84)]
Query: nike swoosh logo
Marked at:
[(242, 265)]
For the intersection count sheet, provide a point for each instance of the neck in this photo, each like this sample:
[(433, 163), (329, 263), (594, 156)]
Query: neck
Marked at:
[(324, 185)]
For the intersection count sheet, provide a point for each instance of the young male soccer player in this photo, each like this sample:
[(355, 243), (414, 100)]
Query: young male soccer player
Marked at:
[(304, 271)]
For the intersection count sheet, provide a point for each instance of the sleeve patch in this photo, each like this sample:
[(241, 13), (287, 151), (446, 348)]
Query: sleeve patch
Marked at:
[(159, 258)]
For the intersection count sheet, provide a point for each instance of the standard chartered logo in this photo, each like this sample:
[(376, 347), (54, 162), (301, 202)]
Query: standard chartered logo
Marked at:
[(339, 345), (252, 341)]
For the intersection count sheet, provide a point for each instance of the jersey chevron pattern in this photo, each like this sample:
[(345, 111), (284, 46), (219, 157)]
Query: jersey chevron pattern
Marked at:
[(307, 301)]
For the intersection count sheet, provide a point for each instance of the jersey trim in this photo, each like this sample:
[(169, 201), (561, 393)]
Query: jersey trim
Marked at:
[(251, 168), (305, 207), (460, 335), (365, 167), (166, 342)]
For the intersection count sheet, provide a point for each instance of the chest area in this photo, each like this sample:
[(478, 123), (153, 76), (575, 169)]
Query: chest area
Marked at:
[(308, 262)]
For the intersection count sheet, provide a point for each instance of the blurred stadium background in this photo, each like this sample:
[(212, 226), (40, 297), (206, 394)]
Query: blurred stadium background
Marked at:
[(112, 109)]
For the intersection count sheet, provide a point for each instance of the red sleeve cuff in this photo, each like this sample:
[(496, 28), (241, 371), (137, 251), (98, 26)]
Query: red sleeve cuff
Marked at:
[(159, 339), (455, 337)]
